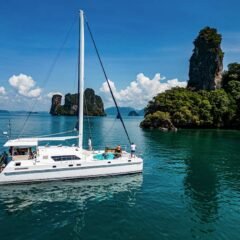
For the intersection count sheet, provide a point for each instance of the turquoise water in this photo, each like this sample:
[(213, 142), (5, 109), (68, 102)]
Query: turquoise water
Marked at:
[(190, 188)]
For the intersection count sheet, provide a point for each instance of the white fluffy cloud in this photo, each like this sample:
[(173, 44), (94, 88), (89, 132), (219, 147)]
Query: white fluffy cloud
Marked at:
[(25, 85), (140, 91), (50, 94), (2, 91)]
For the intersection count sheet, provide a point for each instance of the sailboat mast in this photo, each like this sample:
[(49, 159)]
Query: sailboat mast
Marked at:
[(81, 80)]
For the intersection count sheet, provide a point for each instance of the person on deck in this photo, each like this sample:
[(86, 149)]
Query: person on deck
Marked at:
[(118, 151), (90, 144), (133, 149), (10, 151), (30, 153)]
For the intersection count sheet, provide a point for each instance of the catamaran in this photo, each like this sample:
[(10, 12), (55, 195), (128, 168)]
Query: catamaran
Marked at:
[(30, 162)]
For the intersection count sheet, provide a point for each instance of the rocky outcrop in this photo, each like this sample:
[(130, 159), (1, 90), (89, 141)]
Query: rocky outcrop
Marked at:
[(93, 104), (206, 62), (158, 120), (56, 104)]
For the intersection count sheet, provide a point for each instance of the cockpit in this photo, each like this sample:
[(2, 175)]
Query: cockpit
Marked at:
[(22, 153)]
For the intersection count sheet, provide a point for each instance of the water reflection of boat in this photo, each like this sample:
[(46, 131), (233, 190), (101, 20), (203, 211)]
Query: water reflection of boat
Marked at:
[(20, 197)]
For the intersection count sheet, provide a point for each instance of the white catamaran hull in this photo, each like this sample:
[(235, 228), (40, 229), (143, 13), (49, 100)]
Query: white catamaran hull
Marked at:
[(69, 170)]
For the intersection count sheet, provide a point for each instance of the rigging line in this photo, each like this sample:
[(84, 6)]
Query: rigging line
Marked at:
[(54, 134), (49, 73), (105, 74), (107, 134), (111, 128)]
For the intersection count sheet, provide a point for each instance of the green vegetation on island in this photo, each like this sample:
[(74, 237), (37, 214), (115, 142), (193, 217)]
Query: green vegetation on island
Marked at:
[(212, 98)]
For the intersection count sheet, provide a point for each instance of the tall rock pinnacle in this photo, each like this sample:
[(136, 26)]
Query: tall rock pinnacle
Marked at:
[(206, 62)]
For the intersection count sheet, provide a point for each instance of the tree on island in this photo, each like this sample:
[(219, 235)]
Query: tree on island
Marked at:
[(232, 74)]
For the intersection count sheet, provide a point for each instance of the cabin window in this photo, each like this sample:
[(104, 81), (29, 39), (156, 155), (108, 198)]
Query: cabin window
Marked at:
[(65, 158), (17, 164), (20, 151)]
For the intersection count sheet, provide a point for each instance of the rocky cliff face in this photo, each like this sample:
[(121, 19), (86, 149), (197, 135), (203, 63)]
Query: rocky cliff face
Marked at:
[(56, 104), (206, 62), (93, 104)]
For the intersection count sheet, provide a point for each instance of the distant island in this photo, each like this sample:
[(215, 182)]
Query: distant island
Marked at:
[(93, 104), (125, 111), (4, 111), (20, 112), (212, 97), (133, 113), (32, 112)]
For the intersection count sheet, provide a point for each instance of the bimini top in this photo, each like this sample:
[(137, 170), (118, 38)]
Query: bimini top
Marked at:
[(30, 142)]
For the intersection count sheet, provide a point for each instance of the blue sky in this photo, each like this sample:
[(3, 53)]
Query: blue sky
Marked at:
[(133, 37)]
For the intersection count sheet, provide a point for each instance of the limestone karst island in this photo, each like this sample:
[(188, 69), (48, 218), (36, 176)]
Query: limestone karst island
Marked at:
[(93, 104), (212, 96)]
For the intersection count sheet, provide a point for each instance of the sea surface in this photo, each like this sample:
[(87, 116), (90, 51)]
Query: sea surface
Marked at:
[(190, 187)]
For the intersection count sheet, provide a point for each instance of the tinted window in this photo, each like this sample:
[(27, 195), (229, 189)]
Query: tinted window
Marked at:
[(65, 158)]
